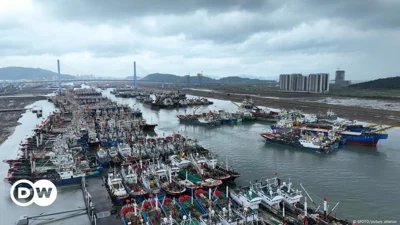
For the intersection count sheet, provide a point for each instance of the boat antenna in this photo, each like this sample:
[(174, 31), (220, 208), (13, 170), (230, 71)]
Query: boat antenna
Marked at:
[(333, 208), (306, 192)]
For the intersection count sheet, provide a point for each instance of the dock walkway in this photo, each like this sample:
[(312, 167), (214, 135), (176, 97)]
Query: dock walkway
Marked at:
[(98, 202), (13, 110)]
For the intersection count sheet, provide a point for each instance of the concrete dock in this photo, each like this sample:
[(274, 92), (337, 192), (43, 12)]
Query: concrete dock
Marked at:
[(100, 207)]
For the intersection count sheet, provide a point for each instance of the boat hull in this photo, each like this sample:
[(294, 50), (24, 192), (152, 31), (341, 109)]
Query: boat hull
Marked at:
[(367, 140), (149, 127), (94, 144), (299, 146), (65, 181)]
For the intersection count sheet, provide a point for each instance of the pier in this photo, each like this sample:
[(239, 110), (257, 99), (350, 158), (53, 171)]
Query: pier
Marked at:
[(98, 203), (14, 110)]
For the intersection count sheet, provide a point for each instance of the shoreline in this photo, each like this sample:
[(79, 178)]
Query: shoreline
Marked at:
[(9, 120), (377, 116)]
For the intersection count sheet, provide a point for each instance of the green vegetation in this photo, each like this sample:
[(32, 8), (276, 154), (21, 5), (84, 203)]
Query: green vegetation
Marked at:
[(365, 93), (390, 83)]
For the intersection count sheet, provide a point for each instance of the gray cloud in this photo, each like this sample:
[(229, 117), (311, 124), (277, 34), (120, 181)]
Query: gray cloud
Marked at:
[(110, 10), (224, 37)]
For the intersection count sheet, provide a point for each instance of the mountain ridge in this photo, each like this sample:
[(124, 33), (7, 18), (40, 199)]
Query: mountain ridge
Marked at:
[(172, 78), (28, 73), (382, 83)]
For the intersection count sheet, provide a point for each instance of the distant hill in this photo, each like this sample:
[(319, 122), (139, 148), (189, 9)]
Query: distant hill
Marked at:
[(171, 78), (237, 79), (131, 78), (18, 73), (384, 83)]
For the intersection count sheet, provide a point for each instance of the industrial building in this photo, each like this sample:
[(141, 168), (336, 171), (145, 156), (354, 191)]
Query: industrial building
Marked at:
[(318, 83), (340, 78)]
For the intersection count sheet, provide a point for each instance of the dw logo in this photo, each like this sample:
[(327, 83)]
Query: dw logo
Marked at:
[(44, 192)]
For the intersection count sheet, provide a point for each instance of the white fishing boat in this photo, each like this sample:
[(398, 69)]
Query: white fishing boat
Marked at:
[(248, 103), (246, 198), (101, 153), (151, 180), (117, 189), (180, 162), (125, 151), (92, 139), (290, 195), (112, 152), (270, 193)]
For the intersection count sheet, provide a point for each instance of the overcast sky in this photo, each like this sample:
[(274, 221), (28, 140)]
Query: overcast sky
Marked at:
[(218, 37)]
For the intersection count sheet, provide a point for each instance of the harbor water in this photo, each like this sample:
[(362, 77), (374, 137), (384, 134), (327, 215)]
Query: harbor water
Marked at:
[(68, 198), (363, 179)]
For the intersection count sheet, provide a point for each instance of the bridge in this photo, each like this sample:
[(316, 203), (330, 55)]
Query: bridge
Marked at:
[(59, 80), (71, 80)]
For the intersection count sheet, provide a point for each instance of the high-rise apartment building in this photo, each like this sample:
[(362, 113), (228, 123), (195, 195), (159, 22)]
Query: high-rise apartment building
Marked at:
[(318, 83)]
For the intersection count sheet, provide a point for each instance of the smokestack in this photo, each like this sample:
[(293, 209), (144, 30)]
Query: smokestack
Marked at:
[(59, 75), (134, 74)]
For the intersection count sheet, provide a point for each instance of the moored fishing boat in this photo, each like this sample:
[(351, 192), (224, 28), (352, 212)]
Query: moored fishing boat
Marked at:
[(103, 158), (188, 118), (131, 213), (137, 113), (116, 187), (125, 152), (247, 103), (151, 211), (131, 184), (171, 187), (330, 115), (269, 191), (185, 182), (313, 143), (246, 198), (194, 177), (177, 161), (191, 206), (208, 166), (290, 195), (265, 115), (363, 137), (228, 170), (151, 179)]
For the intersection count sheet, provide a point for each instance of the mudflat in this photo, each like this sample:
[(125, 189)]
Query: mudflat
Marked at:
[(9, 120), (297, 101)]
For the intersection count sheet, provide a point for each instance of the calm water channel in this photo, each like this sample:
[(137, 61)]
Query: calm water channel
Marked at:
[(364, 180), (68, 198)]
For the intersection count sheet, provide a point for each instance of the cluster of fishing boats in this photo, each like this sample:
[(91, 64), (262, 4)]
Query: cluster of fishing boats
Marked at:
[(156, 180), (162, 100), (321, 134), (214, 118), (61, 159)]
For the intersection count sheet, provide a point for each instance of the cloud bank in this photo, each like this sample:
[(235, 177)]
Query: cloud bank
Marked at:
[(224, 38)]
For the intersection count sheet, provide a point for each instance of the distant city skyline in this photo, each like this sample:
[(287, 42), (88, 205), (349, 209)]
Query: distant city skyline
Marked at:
[(221, 38)]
